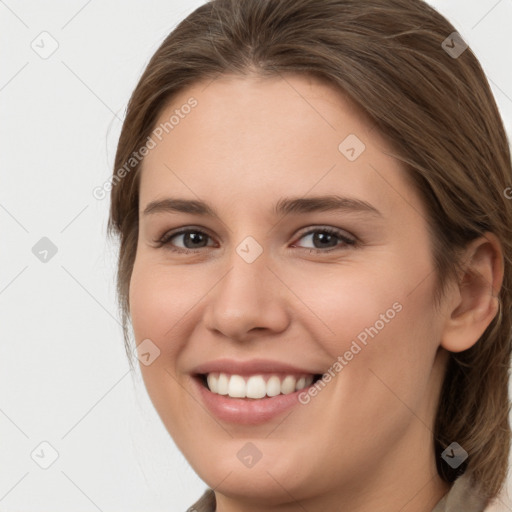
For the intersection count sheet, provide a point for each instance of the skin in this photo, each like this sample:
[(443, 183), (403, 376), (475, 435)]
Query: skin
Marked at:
[(364, 443)]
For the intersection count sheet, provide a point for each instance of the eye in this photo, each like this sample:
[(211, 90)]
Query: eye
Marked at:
[(191, 240), (326, 239)]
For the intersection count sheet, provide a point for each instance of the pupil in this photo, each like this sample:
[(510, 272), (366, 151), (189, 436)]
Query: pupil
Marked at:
[(194, 238), (323, 237)]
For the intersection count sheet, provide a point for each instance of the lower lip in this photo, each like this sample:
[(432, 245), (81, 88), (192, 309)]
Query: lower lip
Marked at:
[(246, 411)]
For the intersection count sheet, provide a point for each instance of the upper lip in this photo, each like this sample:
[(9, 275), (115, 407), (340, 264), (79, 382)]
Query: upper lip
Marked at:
[(250, 367)]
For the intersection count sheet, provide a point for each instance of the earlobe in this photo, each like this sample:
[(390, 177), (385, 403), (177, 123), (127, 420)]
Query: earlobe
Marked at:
[(475, 300)]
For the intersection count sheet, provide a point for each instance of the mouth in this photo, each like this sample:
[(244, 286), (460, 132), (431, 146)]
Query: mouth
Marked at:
[(256, 386)]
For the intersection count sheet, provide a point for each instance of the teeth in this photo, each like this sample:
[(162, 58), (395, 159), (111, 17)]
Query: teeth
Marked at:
[(222, 384), (301, 384), (288, 385), (273, 386), (255, 386), (237, 387)]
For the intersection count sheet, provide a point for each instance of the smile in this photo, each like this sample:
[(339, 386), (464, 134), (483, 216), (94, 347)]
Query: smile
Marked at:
[(256, 386)]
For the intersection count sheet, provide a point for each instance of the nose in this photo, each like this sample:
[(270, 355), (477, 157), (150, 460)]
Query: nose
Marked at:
[(247, 299)]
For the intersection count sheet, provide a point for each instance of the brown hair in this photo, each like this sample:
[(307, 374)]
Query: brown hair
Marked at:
[(439, 116)]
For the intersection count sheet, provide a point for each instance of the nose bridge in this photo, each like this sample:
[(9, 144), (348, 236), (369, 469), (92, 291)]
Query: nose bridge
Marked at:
[(247, 296), (247, 261)]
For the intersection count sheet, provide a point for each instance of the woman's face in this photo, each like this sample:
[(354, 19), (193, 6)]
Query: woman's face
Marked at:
[(273, 283)]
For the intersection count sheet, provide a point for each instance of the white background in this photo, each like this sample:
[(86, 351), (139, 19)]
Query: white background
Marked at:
[(64, 377)]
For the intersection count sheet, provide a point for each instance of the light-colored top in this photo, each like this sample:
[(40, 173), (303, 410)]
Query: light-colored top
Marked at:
[(460, 498)]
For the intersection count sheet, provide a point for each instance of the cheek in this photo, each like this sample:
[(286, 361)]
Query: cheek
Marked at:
[(395, 335), (160, 298), (379, 318), (356, 300), (158, 304)]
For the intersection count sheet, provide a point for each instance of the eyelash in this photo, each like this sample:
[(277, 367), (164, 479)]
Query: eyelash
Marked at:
[(166, 238)]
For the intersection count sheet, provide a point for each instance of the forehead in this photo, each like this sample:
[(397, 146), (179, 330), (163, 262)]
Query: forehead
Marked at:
[(254, 135)]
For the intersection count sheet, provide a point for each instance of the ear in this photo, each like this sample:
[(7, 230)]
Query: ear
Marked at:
[(474, 302)]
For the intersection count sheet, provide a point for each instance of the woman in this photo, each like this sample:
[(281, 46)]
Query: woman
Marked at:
[(315, 256)]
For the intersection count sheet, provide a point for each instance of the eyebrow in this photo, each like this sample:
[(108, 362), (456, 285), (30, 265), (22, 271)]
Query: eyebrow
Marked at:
[(285, 206)]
